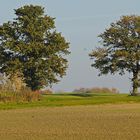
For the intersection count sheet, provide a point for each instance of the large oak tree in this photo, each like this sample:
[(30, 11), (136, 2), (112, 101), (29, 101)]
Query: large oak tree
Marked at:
[(31, 45), (120, 49)]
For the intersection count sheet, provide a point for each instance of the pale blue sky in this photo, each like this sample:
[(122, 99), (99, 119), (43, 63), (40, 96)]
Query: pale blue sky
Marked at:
[(81, 21)]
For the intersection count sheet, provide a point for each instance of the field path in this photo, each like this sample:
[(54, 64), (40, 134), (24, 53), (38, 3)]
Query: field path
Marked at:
[(98, 122)]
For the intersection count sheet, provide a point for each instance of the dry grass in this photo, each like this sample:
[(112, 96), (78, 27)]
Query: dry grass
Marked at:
[(107, 122)]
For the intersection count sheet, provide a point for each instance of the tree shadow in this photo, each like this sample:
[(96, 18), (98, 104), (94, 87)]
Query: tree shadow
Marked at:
[(81, 94), (75, 94)]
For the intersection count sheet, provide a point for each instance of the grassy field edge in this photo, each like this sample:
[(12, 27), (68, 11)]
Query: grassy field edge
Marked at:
[(70, 99)]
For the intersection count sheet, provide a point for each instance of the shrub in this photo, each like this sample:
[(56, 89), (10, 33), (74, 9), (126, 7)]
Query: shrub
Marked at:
[(13, 89), (12, 83), (28, 95), (24, 95)]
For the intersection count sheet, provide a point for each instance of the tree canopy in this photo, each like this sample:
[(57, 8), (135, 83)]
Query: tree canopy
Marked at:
[(120, 50), (31, 45)]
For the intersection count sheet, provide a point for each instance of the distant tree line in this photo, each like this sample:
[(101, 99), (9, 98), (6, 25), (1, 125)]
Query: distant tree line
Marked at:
[(96, 90)]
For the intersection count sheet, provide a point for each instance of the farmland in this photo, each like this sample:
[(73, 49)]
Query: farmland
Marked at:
[(71, 117), (111, 121)]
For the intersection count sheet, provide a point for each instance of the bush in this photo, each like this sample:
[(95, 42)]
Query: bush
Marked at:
[(12, 83), (25, 95), (28, 95), (13, 89)]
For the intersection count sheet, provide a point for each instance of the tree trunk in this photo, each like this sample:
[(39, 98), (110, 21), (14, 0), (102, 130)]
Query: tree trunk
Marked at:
[(135, 82)]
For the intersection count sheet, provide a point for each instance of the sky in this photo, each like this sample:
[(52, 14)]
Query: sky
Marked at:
[(80, 22)]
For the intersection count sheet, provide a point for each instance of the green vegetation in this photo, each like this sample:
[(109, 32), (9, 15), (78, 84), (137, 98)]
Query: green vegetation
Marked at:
[(121, 50), (73, 99), (31, 48)]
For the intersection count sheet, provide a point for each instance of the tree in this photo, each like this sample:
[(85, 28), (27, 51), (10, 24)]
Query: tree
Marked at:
[(121, 49), (30, 45)]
